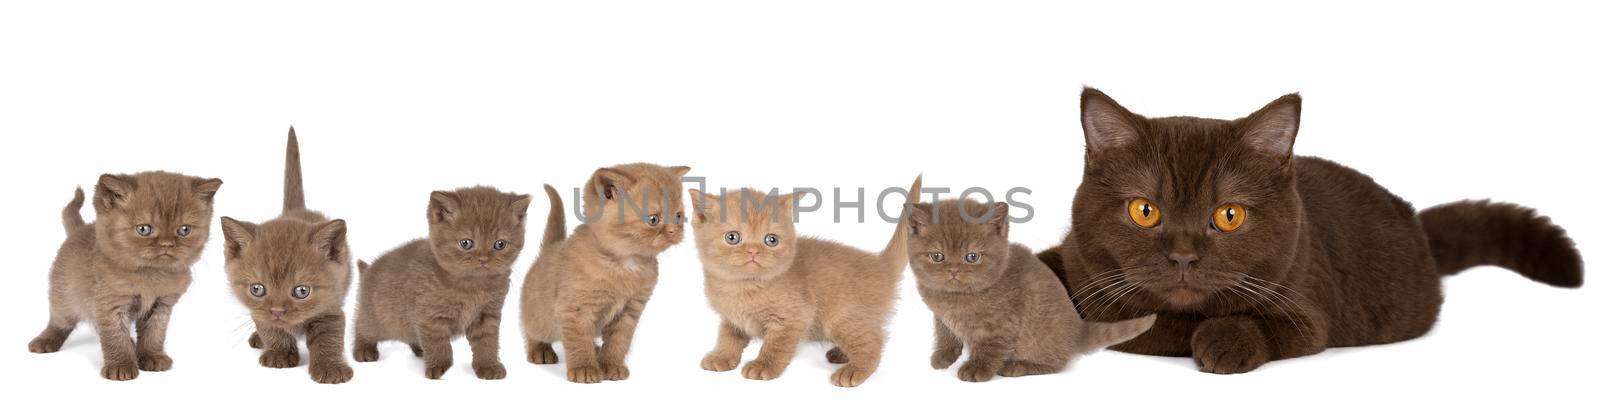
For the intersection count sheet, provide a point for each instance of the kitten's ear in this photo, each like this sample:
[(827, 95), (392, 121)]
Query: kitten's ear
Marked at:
[(680, 170), (791, 201), (921, 217), (1272, 129), (235, 236), (519, 207), (442, 206), (607, 181), (1001, 219), (206, 189), (329, 238), (1106, 125), (702, 204), (112, 192)]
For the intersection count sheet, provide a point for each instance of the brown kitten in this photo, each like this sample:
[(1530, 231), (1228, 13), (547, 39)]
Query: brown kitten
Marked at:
[(1010, 311), (292, 273), (130, 266), (768, 282), (596, 282), (429, 291)]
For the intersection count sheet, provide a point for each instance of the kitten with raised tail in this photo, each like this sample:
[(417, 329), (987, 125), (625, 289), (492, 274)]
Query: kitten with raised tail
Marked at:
[(128, 267), (595, 283), (995, 298), (768, 282), (429, 291), (1248, 253), (292, 273)]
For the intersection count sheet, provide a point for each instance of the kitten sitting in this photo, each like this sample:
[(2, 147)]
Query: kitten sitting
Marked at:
[(996, 298), (128, 267), (292, 272), (596, 282), (768, 282), (454, 282)]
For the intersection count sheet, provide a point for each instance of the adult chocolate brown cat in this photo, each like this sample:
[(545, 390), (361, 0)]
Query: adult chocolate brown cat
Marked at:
[(1248, 253)]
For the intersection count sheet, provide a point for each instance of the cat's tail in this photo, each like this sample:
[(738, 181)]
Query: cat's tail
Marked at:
[(71, 218), (1470, 233), (555, 228), (361, 267), (1099, 335), (895, 253), (294, 191)]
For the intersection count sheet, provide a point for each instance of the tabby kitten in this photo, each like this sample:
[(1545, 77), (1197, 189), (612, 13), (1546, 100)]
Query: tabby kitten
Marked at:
[(1248, 253), (1010, 311), (452, 283), (768, 282), (128, 267), (596, 282), (292, 273)]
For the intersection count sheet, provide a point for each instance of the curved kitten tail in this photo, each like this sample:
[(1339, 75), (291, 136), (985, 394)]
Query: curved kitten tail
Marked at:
[(555, 229), (1099, 335), (1470, 233), (71, 218), (294, 192), (895, 253), (361, 267)]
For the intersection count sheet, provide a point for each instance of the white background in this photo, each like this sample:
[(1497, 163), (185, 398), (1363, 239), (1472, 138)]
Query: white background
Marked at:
[(393, 99)]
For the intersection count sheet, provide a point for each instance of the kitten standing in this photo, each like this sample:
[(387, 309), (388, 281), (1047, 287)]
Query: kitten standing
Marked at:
[(452, 283), (596, 282), (995, 298), (768, 282), (128, 267), (292, 273)]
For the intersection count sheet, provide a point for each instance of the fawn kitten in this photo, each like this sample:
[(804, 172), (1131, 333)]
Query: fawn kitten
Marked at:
[(768, 282), (1011, 312), (595, 283), (128, 267), (292, 273), (429, 291)]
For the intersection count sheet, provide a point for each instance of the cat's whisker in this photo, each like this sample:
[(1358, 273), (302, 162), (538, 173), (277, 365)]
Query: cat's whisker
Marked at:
[(1129, 287), (1103, 294), (1107, 283), (1279, 301)]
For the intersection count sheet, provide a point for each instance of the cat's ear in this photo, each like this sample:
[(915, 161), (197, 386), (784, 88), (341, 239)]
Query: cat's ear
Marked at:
[(701, 203), (112, 192), (607, 181), (1000, 220), (235, 236), (329, 238), (791, 201), (519, 207), (206, 189), (921, 216), (1106, 125), (1272, 129), (442, 206), (680, 170)]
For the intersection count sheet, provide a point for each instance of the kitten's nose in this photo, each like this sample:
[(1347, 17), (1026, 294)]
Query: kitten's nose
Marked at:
[(1183, 258), (167, 243), (277, 313)]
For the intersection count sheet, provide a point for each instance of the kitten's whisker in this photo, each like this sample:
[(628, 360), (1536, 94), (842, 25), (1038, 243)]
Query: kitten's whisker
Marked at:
[(1275, 298)]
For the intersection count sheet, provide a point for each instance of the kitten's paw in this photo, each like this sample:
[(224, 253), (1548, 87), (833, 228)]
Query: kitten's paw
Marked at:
[(719, 362), (365, 353), (761, 370), (584, 374), (614, 372), (416, 351), (975, 372), (543, 355), (120, 371), (332, 373), (1229, 346), (850, 376), (837, 356), (154, 362), (435, 370), (1019, 368), (255, 340), (490, 371), (280, 359), (943, 359), (46, 344)]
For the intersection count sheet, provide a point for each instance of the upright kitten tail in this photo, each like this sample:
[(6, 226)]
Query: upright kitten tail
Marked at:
[(71, 218), (1466, 234), (294, 192), (895, 253), (555, 229), (1099, 335)]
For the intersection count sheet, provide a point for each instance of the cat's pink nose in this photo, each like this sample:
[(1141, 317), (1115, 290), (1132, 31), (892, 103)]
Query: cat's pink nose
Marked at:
[(277, 313)]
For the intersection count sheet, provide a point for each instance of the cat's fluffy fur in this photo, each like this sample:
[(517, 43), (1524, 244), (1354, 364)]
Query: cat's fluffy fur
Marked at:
[(429, 291), (595, 283), (1324, 257), (1003, 304), (128, 267), (793, 289), (267, 263)]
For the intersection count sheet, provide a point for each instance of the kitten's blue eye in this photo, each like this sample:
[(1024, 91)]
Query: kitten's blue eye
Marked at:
[(499, 245), (652, 219), (732, 237), (183, 231), (143, 230), (771, 240), (972, 258), (937, 257), (301, 292), (466, 244), (258, 290)]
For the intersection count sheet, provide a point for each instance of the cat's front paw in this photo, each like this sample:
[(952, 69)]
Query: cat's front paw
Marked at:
[(761, 370), (850, 376), (614, 371), (365, 353), (490, 371), (944, 358), (120, 371), (44, 344), (280, 359), (1229, 346), (154, 362), (331, 373), (584, 374), (719, 362), (975, 372), (435, 369)]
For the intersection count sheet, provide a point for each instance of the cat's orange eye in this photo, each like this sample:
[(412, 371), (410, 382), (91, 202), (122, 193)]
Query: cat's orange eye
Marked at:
[(1228, 217), (1144, 213)]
